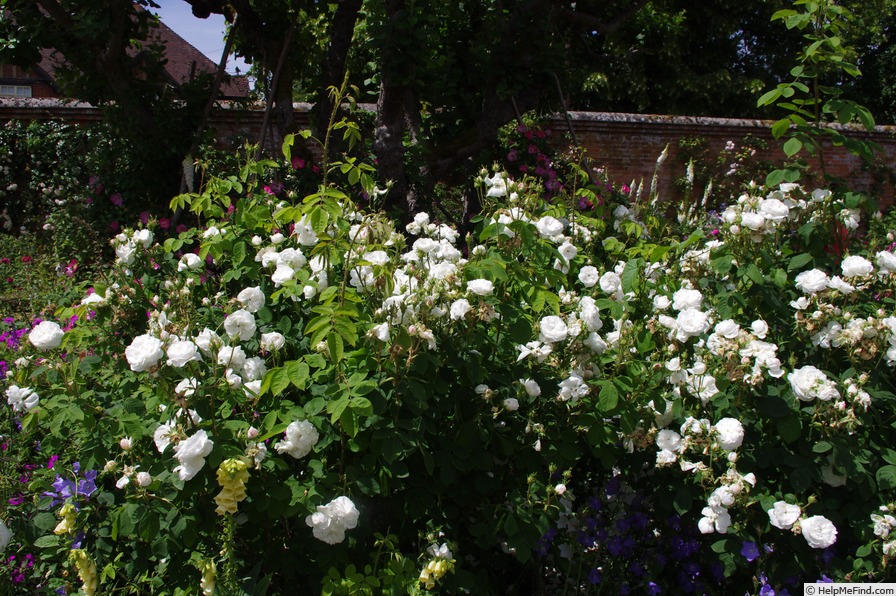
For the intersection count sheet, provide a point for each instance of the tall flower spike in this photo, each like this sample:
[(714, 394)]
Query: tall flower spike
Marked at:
[(232, 476)]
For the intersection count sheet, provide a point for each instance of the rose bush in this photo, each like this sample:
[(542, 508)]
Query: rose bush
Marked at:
[(317, 399)]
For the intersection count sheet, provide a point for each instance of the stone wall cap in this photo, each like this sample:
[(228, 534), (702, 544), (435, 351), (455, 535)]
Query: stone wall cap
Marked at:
[(660, 119)]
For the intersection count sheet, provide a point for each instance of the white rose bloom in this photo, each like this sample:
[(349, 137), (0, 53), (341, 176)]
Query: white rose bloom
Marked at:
[(497, 186), (589, 313), (459, 309), (596, 343), (730, 433), (668, 440), (380, 332), (886, 261), (126, 253), (252, 388), (690, 323), (253, 369), (330, 521), (46, 335), (727, 328), (818, 531), (21, 399), (714, 519), (144, 353), (783, 515), (549, 227), (841, 286), (231, 356), (812, 281), (272, 341), (759, 328), (774, 210), (252, 299), (532, 388), (480, 287), (240, 324), (206, 340), (282, 274), (299, 438), (511, 404), (233, 378), (807, 383), (189, 261), (144, 479), (162, 436), (182, 351), (751, 220), (191, 454), (661, 302), (186, 387), (856, 266), (376, 257), (143, 237), (588, 275), (611, 283), (553, 329), (685, 299), (568, 251), (664, 457)]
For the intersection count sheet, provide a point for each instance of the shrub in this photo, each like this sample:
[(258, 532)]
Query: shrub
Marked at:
[(298, 395)]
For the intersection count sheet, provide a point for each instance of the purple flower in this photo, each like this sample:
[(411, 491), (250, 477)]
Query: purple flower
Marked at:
[(594, 577), (653, 589), (750, 551)]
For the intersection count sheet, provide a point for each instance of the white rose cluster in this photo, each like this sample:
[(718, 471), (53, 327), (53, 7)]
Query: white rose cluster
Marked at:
[(299, 438), (330, 521)]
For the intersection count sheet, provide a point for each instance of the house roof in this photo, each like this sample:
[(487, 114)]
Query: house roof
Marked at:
[(183, 63)]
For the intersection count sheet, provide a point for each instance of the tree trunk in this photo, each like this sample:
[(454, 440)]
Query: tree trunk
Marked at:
[(397, 116)]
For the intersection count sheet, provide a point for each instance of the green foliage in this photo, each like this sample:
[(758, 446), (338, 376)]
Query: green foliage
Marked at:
[(581, 384), (813, 98)]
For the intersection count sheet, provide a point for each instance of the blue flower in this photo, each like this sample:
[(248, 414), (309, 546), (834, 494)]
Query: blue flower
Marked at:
[(750, 551)]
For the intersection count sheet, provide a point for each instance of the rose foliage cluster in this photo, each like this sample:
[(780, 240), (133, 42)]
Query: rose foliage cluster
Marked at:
[(302, 393)]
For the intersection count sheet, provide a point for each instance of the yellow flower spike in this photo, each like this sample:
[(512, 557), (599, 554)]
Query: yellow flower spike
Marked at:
[(232, 476), (68, 513), (209, 577), (86, 570)]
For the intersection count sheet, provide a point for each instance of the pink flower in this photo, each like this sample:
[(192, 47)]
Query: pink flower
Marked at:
[(164, 223), (116, 199), (144, 217), (297, 163)]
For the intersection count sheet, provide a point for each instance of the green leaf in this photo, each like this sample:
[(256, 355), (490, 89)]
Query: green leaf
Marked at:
[(47, 542), (609, 397), (821, 447), (792, 147), (799, 261), (780, 127), (886, 477), (275, 380), (297, 372), (774, 178), (768, 98), (335, 347)]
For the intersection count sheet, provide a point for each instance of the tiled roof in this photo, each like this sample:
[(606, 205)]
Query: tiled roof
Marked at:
[(184, 62)]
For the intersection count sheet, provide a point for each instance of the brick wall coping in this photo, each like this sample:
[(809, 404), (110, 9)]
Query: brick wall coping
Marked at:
[(596, 119)]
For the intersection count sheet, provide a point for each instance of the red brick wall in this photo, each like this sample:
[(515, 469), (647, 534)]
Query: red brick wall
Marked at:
[(628, 145)]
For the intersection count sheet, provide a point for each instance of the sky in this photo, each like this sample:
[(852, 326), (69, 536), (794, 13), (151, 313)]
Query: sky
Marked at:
[(206, 35)]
